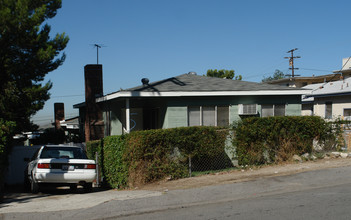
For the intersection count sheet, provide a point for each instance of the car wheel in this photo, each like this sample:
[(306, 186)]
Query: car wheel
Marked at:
[(88, 187), (73, 187), (34, 187)]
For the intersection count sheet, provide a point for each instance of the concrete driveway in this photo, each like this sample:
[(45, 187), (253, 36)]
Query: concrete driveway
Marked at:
[(63, 199)]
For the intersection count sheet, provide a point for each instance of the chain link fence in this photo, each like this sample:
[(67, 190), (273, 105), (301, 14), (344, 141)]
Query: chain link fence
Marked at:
[(222, 161)]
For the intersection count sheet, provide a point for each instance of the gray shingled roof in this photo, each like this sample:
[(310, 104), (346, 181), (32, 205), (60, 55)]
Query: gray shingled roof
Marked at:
[(190, 82)]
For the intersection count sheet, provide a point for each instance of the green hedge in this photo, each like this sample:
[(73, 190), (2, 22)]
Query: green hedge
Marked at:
[(93, 147), (272, 139), (115, 163), (146, 156)]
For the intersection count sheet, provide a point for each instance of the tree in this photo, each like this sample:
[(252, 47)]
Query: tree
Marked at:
[(227, 74), (27, 54), (276, 75)]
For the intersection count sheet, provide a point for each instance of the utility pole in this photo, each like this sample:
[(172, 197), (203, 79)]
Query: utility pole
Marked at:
[(291, 62)]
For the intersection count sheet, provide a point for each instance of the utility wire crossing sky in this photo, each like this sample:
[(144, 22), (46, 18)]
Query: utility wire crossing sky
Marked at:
[(158, 39)]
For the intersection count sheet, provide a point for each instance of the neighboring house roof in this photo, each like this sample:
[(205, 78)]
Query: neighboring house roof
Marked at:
[(314, 79), (194, 85), (336, 88), (79, 105), (306, 99), (71, 123)]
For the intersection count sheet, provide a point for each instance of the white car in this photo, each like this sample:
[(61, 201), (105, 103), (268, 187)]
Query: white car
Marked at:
[(60, 165)]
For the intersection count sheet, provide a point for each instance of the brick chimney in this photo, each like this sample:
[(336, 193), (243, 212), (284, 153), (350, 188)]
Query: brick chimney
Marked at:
[(59, 111), (94, 124)]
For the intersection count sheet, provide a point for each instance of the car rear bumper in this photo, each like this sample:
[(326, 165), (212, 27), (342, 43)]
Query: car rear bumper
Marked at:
[(65, 177)]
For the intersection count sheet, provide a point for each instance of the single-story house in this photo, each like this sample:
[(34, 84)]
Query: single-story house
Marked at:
[(329, 100), (193, 100)]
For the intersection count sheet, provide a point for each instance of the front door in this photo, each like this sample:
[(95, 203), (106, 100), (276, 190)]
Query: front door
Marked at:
[(150, 118)]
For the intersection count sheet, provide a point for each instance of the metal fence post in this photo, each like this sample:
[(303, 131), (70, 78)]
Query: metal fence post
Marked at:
[(189, 166), (97, 169)]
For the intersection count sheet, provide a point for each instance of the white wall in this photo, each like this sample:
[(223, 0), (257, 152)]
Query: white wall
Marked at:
[(339, 103)]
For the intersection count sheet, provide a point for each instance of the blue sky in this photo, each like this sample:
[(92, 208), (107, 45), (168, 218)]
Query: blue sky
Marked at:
[(158, 39)]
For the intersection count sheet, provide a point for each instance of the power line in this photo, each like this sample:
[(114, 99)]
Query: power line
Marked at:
[(317, 70), (335, 74), (248, 76), (65, 96), (47, 117)]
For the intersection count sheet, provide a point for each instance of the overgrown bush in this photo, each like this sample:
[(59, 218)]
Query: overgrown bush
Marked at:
[(93, 147), (274, 139), (114, 161), (146, 156), (150, 155)]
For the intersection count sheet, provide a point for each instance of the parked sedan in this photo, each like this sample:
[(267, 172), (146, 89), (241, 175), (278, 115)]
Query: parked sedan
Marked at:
[(60, 165)]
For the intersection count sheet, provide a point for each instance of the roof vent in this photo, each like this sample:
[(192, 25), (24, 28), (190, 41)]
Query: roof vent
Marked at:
[(192, 73), (145, 81)]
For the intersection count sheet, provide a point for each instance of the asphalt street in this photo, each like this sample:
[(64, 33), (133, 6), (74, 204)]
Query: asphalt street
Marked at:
[(321, 194)]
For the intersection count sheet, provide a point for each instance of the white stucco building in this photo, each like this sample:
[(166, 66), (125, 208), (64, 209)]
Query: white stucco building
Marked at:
[(330, 100)]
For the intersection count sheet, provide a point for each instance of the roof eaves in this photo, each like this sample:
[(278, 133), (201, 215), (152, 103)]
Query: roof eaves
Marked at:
[(130, 94)]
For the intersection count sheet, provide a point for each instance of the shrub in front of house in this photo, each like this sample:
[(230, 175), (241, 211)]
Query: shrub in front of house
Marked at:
[(142, 157), (273, 139), (93, 147), (150, 155), (156, 154), (115, 163)]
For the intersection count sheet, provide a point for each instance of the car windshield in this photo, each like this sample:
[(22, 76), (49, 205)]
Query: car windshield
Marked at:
[(63, 152)]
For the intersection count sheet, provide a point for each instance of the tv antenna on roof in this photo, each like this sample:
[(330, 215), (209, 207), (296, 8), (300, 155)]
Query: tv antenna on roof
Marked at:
[(97, 51)]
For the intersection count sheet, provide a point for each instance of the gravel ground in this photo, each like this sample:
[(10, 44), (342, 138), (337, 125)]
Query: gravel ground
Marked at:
[(246, 174)]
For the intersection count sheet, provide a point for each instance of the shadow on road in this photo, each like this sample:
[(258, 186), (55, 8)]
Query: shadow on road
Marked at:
[(19, 195)]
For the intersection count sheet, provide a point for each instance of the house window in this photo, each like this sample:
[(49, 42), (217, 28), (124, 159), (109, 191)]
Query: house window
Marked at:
[(194, 115), (222, 116), (208, 115), (273, 110), (347, 114), (328, 110), (267, 110), (279, 110)]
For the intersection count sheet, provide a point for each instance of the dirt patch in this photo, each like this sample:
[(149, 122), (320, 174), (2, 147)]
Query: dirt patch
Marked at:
[(246, 174)]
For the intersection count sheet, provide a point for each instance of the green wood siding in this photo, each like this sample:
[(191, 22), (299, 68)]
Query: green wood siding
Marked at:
[(173, 112)]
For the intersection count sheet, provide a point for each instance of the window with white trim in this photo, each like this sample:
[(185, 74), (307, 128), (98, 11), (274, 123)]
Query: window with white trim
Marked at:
[(247, 109), (272, 110), (208, 115)]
